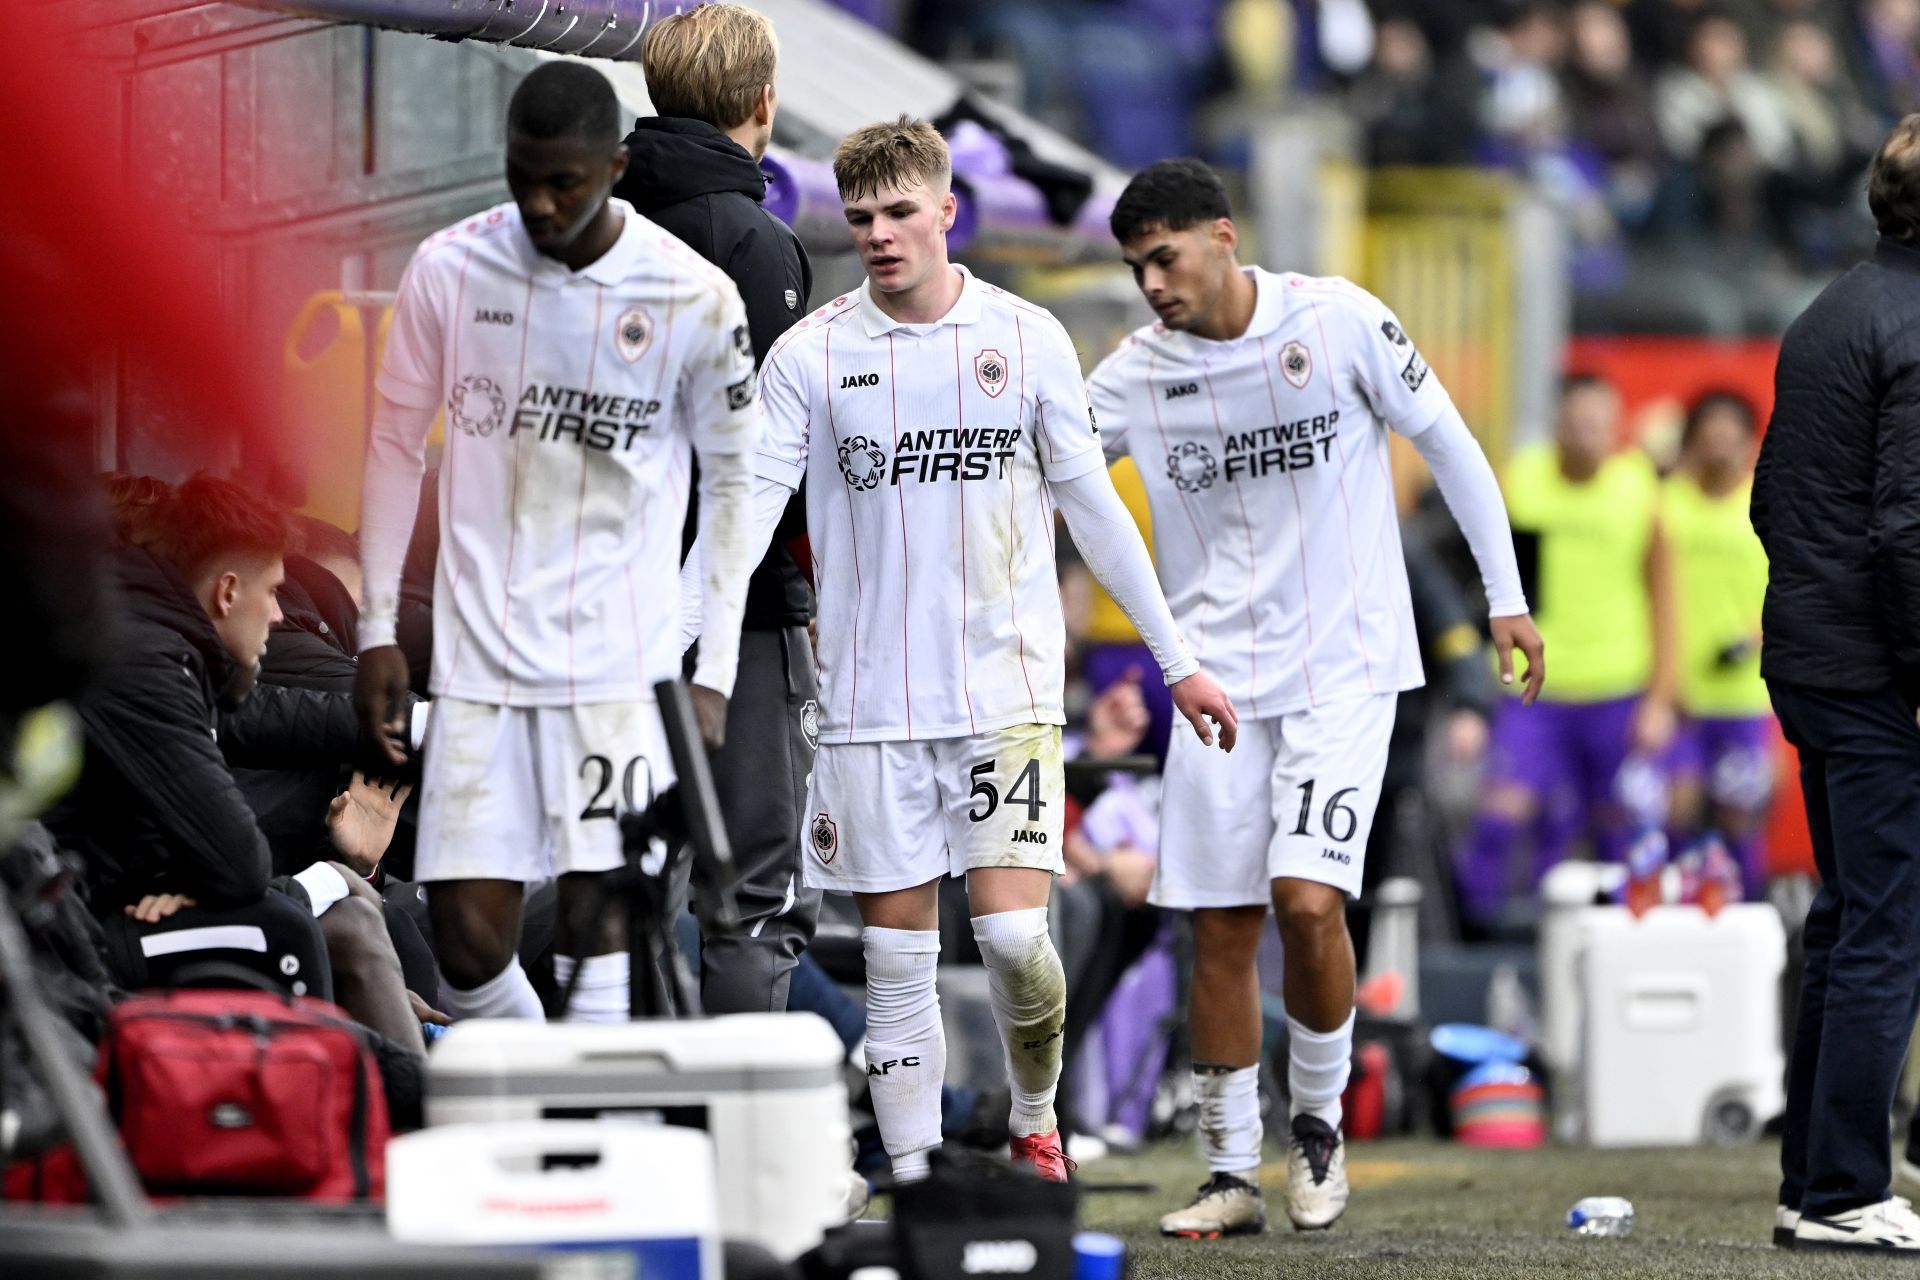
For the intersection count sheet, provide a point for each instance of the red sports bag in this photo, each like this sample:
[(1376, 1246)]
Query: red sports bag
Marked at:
[(245, 1093), (224, 1092)]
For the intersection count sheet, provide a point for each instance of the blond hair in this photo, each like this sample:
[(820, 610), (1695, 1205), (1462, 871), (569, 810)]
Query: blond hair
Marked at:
[(892, 153), (710, 63)]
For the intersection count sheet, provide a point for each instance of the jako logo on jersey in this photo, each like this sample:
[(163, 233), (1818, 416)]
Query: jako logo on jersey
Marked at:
[(1190, 466), (859, 380), (990, 371), (825, 836), (590, 419), (1179, 389), (1295, 364), (1029, 837), (1335, 855), (885, 1068), (477, 406), (999, 1257), (633, 333), (862, 462), (484, 316)]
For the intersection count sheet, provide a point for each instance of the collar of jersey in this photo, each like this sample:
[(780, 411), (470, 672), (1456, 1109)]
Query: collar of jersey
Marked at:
[(965, 308), (610, 268), (1269, 309)]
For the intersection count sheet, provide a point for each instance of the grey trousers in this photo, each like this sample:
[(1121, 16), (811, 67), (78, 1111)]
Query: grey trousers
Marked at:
[(761, 778)]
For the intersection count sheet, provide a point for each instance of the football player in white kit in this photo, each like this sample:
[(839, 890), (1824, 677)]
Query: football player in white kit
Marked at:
[(937, 420), (583, 356), (1257, 410)]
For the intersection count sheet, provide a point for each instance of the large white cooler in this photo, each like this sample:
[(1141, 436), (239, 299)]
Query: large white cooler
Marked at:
[(767, 1087), (1680, 1024), (631, 1200)]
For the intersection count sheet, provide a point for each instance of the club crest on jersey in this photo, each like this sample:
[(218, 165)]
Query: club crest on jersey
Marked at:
[(990, 371), (810, 722), (1295, 364), (1191, 466), (825, 836), (1393, 333), (633, 333), (793, 300), (477, 406), (862, 462)]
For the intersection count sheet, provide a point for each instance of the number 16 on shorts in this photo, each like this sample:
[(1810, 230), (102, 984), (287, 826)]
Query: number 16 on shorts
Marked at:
[(891, 815)]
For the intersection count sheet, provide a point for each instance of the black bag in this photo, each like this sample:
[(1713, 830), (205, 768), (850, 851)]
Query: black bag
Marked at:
[(974, 1217)]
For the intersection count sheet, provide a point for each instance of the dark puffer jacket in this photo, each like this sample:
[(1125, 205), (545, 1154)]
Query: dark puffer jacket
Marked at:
[(1836, 497), (156, 809), (703, 187)]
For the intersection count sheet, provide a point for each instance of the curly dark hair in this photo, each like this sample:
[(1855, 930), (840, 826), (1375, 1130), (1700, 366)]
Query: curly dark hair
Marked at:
[(1169, 194)]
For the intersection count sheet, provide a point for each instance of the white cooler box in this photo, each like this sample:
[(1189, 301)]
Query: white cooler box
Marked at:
[(1680, 1020), (767, 1087), (630, 1200)]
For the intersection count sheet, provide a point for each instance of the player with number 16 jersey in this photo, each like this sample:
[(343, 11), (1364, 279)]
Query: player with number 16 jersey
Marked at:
[(1257, 411)]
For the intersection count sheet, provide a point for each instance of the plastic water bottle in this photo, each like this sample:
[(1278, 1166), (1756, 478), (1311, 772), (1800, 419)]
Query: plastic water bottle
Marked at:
[(1720, 881), (1646, 860), (1602, 1216)]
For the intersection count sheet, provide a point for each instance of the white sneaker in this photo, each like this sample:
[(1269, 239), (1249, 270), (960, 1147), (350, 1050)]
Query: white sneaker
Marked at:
[(1891, 1224), (1784, 1222), (1225, 1206), (1316, 1174)]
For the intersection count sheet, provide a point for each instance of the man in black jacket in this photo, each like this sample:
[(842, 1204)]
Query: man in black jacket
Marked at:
[(694, 169), (1836, 502), (170, 846)]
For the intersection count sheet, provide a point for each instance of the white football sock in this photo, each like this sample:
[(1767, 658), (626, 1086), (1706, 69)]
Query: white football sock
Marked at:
[(1318, 1063), (602, 992), (1230, 1131), (906, 1044), (1028, 989), (507, 994)]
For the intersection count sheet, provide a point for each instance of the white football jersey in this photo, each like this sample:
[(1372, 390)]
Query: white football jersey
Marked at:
[(926, 450), (573, 401), (1266, 470)]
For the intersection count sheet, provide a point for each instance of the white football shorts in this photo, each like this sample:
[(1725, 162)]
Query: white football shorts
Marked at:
[(526, 793), (891, 815), (1294, 798)]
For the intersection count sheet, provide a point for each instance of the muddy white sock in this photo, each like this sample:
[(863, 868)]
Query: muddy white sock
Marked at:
[(506, 994), (602, 992), (1230, 1131), (1028, 990), (1318, 1063), (906, 1044)]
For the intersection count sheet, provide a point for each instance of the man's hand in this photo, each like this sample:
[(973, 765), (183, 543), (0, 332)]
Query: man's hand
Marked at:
[(380, 696), (710, 712), (426, 1012), (1118, 718), (1518, 632), (1199, 699), (156, 907), (361, 819), (1654, 724)]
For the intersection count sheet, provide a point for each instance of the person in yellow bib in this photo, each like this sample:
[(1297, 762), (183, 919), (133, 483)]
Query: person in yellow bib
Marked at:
[(1580, 762), (1722, 756)]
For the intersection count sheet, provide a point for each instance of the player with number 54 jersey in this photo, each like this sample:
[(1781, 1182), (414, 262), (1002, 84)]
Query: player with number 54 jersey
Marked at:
[(937, 420)]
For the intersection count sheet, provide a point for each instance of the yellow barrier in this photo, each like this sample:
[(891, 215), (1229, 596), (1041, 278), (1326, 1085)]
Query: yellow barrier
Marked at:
[(324, 400), (1438, 252)]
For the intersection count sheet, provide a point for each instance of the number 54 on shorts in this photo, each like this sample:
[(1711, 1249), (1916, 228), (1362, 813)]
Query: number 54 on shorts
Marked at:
[(891, 815)]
